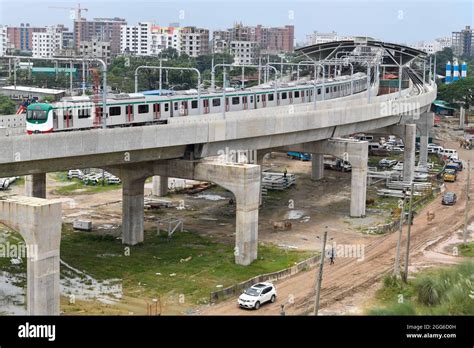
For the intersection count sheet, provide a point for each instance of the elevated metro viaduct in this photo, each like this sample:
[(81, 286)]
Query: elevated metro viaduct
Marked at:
[(180, 149)]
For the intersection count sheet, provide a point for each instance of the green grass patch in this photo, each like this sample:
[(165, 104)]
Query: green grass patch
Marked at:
[(11, 239), (467, 249), (210, 264), (77, 186), (446, 291)]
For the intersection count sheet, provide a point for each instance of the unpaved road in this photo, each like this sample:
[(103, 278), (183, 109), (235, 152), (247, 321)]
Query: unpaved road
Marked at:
[(349, 277)]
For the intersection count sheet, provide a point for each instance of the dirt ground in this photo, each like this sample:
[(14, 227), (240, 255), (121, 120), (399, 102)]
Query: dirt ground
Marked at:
[(349, 284)]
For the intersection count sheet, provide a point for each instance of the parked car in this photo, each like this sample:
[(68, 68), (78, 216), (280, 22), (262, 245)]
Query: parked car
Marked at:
[(75, 173), (387, 163), (460, 165), (398, 166), (257, 295), (434, 148), (449, 175), (453, 165), (398, 148), (449, 198), (92, 179), (449, 153), (112, 180)]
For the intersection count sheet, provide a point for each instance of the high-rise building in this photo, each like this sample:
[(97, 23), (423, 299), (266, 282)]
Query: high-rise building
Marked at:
[(244, 52), (317, 37), (21, 38), (47, 44), (102, 29), (96, 49), (269, 40), (3, 40), (136, 39), (194, 41), (463, 42), (165, 37)]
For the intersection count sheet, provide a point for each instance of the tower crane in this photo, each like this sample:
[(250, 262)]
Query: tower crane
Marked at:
[(77, 10)]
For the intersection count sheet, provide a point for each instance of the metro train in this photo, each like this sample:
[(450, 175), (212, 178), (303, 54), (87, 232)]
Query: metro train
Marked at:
[(79, 113)]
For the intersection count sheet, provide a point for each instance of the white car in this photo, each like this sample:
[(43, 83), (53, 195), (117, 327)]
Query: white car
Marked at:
[(112, 180), (257, 295), (75, 173)]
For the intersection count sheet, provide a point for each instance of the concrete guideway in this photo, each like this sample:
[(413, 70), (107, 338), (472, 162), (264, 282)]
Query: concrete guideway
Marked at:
[(39, 222)]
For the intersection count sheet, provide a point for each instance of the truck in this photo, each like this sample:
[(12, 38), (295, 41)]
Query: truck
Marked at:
[(302, 156)]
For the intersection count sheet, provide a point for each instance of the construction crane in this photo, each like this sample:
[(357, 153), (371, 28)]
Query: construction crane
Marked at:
[(78, 10)]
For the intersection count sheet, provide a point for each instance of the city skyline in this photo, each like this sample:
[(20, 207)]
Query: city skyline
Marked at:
[(389, 21)]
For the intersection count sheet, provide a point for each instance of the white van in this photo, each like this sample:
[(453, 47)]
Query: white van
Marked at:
[(449, 153)]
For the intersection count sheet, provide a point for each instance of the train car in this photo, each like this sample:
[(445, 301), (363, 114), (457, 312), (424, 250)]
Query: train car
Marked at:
[(132, 109)]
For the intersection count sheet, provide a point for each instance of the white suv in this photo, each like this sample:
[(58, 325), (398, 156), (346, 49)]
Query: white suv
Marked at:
[(75, 173), (257, 295)]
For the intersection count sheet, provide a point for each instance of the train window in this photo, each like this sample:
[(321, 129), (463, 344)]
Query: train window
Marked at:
[(194, 104), (216, 102), (235, 100), (297, 94), (83, 113), (327, 89), (270, 97), (114, 111), (156, 107), (283, 95), (258, 99), (307, 92), (319, 91), (176, 106), (251, 99), (167, 107), (334, 89), (143, 108)]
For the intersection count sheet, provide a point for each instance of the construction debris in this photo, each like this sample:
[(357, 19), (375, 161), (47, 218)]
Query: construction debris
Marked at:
[(277, 181)]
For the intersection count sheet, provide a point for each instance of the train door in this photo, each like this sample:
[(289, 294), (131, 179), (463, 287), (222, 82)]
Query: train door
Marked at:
[(205, 103), (226, 103), (67, 119), (255, 101), (129, 109), (302, 95), (290, 97), (156, 112), (244, 102), (264, 100), (183, 108), (55, 120)]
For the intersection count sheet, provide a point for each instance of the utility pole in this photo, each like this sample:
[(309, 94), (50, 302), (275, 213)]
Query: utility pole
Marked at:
[(410, 210), (465, 232), (396, 270), (320, 276)]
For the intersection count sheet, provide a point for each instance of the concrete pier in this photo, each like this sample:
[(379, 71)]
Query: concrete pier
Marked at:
[(133, 184), (243, 180), (39, 223), (424, 125), (356, 153), (160, 186), (317, 166), (35, 185), (409, 140)]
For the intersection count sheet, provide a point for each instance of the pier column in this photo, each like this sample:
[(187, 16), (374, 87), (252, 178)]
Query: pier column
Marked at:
[(317, 166), (160, 186), (35, 185)]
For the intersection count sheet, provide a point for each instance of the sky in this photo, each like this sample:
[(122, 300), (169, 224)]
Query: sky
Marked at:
[(402, 21)]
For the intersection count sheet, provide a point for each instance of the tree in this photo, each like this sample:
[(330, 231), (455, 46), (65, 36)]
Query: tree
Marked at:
[(459, 93), (7, 106)]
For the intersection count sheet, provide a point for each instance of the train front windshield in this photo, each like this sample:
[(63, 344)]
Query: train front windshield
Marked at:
[(36, 115)]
